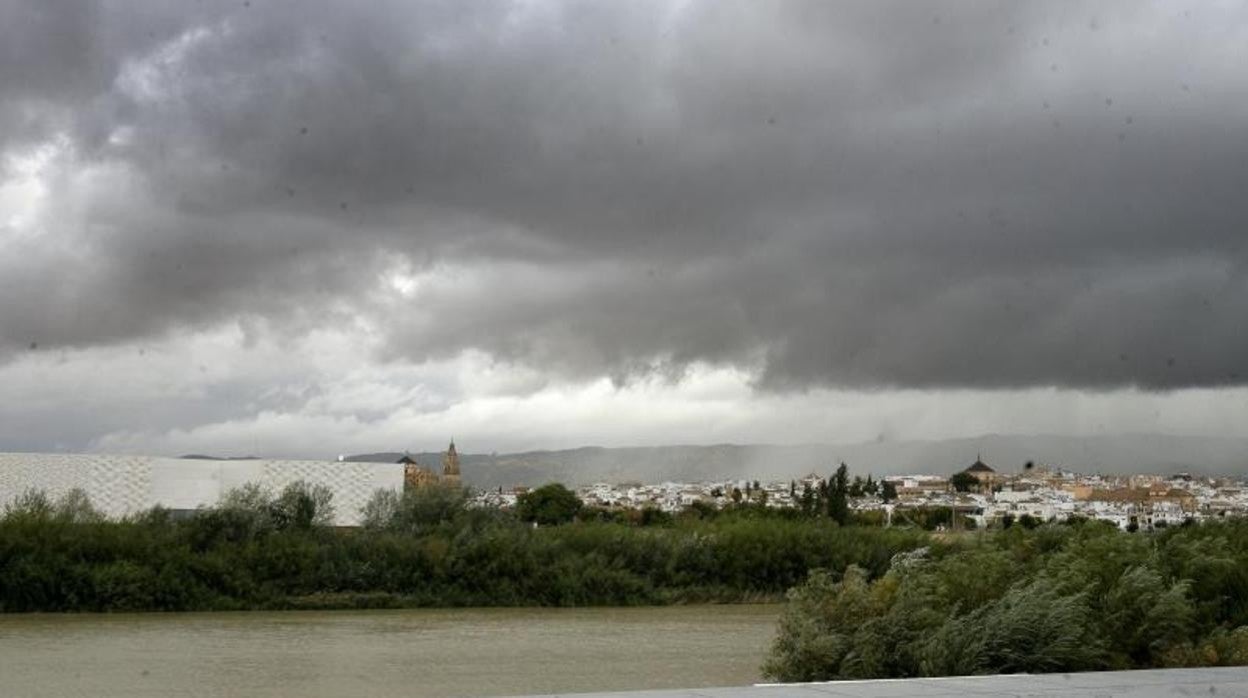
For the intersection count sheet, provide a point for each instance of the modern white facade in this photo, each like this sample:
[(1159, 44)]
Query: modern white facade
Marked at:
[(121, 485)]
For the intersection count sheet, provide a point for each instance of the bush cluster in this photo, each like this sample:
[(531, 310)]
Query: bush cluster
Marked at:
[(426, 547), (1055, 598)]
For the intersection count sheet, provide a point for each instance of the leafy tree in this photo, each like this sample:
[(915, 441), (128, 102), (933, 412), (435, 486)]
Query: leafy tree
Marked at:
[(808, 499), (1145, 615), (816, 632), (1222, 647), (30, 504), (250, 497), (242, 514), (838, 496), (857, 487), (550, 505), (654, 516), (888, 491), (422, 508), (931, 518), (75, 507), (381, 510), (700, 510), (303, 506), (1033, 628), (964, 482), (1028, 521)]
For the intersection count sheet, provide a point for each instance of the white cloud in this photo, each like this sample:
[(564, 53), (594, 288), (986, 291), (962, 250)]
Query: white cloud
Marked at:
[(326, 393)]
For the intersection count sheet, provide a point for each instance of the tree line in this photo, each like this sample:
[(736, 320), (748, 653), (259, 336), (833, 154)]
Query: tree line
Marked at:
[(423, 547)]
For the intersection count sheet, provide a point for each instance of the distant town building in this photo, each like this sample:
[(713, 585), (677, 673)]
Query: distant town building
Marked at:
[(987, 477), (450, 465), (416, 476)]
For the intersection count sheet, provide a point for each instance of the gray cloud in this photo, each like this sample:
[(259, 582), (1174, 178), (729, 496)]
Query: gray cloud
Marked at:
[(872, 194)]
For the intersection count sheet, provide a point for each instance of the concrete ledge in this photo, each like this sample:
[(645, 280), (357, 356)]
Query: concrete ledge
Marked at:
[(1220, 682)]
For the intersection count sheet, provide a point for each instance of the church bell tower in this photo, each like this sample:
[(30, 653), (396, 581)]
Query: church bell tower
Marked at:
[(450, 465)]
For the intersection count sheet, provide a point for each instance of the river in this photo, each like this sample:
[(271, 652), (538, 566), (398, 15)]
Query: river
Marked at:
[(414, 653)]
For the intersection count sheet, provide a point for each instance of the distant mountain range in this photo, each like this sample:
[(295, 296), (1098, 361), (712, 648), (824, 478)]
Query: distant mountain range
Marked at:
[(1128, 453)]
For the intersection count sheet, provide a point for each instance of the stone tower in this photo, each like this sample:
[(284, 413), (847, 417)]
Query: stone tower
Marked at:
[(450, 465), (414, 475)]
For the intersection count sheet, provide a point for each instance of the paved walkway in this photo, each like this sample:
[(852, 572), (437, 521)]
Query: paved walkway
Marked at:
[(1216, 682)]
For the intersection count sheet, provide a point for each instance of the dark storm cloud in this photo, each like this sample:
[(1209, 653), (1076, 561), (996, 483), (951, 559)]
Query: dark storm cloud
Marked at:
[(836, 194)]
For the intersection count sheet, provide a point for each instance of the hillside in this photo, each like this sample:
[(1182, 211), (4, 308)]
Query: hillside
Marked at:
[(1144, 453)]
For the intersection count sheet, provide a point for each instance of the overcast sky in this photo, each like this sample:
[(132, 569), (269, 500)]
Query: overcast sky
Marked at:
[(302, 228)]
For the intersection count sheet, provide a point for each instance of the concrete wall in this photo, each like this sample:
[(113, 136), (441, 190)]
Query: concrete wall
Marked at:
[(120, 485)]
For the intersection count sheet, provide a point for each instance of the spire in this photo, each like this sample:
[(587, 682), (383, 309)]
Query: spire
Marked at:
[(979, 466), (450, 462)]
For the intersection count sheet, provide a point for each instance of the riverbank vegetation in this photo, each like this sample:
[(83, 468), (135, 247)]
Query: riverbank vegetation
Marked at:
[(427, 547), (864, 601), (1075, 597)]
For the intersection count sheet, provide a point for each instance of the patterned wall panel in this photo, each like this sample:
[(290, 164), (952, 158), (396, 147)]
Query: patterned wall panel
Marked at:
[(352, 483), (117, 485), (185, 483), (53, 473), (120, 485)]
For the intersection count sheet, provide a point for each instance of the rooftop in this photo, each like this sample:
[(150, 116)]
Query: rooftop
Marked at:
[(979, 467)]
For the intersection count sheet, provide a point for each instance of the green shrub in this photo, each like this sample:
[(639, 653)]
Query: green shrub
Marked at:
[(1056, 598)]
